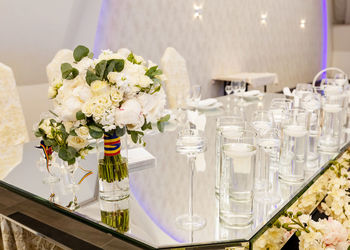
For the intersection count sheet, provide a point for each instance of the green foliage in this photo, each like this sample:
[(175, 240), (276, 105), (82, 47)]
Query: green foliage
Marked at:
[(153, 72), (161, 122), (68, 72), (103, 68), (80, 115), (136, 136), (80, 52), (95, 131), (91, 77), (131, 58)]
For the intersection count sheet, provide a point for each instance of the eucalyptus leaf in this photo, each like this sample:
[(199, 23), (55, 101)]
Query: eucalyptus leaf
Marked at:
[(100, 68), (120, 131), (38, 133), (91, 77), (134, 136), (95, 134), (71, 161), (63, 154), (80, 115), (95, 128), (91, 55), (160, 126), (80, 52)]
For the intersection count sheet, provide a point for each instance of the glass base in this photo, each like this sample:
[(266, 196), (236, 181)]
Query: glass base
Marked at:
[(51, 179), (190, 223)]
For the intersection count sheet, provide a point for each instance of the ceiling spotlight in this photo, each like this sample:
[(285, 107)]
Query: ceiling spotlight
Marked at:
[(302, 23), (263, 18), (197, 11)]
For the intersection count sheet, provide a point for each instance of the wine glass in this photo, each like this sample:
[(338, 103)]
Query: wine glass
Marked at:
[(228, 91), (239, 88), (196, 94), (190, 143), (71, 184)]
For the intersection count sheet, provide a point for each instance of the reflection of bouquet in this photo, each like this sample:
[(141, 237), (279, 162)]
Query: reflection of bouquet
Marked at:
[(113, 94)]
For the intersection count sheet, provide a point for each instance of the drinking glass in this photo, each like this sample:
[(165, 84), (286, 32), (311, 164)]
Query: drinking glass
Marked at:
[(262, 121), (300, 90), (332, 121), (239, 88), (311, 102), (190, 143), (346, 129), (71, 184), (293, 145), (225, 125), (196, 94), (282, 101), (278, 110), (237, 179), (268, 146)]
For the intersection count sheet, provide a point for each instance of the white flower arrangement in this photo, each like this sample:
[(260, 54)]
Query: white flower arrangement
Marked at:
[(115, 93), (332, 233)]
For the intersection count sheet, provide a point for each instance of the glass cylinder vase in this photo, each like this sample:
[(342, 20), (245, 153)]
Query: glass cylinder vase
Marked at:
[(113, 171)]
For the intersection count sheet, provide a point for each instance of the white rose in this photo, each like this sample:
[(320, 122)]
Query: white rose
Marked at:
[(83, 92), (98, 111), (129, 113), (124, 52), (116, 95), (87, 108), (99, 87), (83, 65), (103, 100), (108, 55), (52, 93), (83, 132), (77, 142), (152, 105)]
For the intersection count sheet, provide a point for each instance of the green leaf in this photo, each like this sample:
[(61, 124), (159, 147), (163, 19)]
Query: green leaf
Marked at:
[(100, 68), (91, 55), (73, 133), (51, 113), (63, 154), (50, 142), (120, 131), (80, 115), (156, 89), (118, 65), (38, 133), (95, 128), (71, 152), (80, 52), (91, 77), (131, 58), (160, 126), (68, 72), (151, 71), (95, 134), (134, 136), (165, 118), (71, 161)]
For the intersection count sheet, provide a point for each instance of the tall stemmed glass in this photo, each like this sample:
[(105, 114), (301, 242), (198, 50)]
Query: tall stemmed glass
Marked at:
[(72, 186), (239, 88), (196, 94), (190, 143), (228, 91)]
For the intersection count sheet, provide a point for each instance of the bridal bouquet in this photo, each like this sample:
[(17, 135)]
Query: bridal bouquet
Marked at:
[(116, 93)]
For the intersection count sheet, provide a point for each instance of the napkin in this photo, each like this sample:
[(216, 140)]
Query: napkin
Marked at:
[(207, 102), (177, 82), (13, 130), (199, 120)]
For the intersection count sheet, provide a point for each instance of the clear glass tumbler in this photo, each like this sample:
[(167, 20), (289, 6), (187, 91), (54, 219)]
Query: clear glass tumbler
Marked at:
[(228, 125), (311, 102), (294, 145), (332, 116), (237, 180)]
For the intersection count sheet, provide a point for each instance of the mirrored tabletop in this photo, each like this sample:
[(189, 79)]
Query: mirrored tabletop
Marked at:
[(160, 189)]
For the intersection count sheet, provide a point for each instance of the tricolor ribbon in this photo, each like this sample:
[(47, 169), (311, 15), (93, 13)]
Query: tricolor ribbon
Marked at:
[(88, 172), (112, 145), (47, 152)]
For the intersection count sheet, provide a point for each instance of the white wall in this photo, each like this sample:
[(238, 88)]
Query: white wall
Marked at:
[(228, 39), (33, 31)]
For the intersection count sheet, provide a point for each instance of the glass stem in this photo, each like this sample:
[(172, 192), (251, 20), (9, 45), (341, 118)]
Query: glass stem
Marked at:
[(191, 163)]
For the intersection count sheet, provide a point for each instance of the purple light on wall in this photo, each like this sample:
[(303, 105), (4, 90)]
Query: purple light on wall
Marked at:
[(324, 35), (99, 31)]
